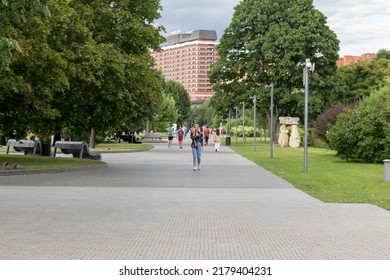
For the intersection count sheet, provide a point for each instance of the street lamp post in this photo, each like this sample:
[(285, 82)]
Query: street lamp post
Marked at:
[(236, 123), (229, 124), (271, 126), (307, 65), (254, 121), (243, 122)]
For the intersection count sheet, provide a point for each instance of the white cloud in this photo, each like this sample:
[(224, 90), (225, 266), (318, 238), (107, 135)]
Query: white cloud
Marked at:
[(361, 26)]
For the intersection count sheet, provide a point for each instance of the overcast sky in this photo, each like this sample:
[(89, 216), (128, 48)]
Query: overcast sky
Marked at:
[(362, 26)]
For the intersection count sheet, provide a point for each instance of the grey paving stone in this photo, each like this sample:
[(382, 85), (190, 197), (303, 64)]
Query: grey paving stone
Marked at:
[(151, 205)]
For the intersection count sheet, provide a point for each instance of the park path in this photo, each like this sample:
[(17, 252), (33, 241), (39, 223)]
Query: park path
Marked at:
[(152, 205)]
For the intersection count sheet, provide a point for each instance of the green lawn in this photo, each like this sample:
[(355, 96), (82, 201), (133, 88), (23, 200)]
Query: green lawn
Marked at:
[(328, 178), (29, 163)]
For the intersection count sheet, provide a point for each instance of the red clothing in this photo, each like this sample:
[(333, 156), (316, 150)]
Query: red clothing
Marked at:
[(206, 132)]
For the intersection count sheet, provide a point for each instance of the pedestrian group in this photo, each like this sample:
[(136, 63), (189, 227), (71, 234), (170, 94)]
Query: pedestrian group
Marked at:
[(199, 137)]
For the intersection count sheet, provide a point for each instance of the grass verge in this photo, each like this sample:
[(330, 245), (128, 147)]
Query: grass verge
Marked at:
[(30, 163), (329, 178)]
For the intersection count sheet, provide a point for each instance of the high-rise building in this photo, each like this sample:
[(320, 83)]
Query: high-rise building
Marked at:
[(186, 58)]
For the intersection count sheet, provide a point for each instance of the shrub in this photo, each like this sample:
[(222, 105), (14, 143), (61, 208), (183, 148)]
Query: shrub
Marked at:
[(363, 134), (248, 131), (329, 117)]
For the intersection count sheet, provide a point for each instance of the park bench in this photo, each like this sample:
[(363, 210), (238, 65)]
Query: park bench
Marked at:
[(151, 136), (130, 139), (29, 147), (77, 149)]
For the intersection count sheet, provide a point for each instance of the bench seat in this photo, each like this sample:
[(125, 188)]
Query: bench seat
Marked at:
[(77, 149)]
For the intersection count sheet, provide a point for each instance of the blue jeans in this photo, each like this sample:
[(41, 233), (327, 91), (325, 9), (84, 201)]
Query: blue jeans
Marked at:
[(196, 153)]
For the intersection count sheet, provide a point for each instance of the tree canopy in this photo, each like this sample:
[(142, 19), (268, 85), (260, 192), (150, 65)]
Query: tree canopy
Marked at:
[(263, 44), (86, 66), (182, 100), (359, 79), (11, 14)]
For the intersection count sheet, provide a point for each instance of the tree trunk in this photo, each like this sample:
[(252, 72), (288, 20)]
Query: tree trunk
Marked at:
[(274, 132), (147, 130), (92, 139), (57, 137)]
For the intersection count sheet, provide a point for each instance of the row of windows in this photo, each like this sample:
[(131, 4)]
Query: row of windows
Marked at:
[(199, 89), (186, 49), (186, 76), (197, 72), (197, 85), (170, 65), (184, 80), (183, 60), (195, 78), (180, 72), (162, 54), (173, 59)]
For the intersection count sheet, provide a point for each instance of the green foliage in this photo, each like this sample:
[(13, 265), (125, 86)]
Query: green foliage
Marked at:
[(363, 134), (83, 65), (29, 163), (263, 43), (203, 114), (182, 100), (383, 54), (249, 131), (320, 127), (13, 13), (166, 115), (360, 79)]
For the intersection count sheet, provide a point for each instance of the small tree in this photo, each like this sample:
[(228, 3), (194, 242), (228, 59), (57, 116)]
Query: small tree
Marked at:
[(329, 117), (182, 100), (166, 115), (363, 134)]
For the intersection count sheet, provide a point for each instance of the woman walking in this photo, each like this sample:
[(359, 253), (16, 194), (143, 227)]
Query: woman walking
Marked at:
[(196, 146), (216, 140)]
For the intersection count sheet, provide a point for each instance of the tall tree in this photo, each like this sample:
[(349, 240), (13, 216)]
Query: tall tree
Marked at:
[(30, 76), (127, 85), (263, 44), (166, 114), (182, 100), (11, 13), (76, 71)]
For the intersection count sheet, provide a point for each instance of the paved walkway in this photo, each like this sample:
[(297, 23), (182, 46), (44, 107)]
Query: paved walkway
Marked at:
[(152, 205)]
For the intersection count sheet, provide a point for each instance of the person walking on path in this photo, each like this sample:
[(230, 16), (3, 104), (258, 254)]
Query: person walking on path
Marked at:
[(170, 137), (206, 133), (180, 137), (196, 146), (216, 139)]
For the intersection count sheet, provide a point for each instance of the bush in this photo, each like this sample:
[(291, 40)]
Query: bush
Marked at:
[(329, 117), (363, 134), (248, 131)]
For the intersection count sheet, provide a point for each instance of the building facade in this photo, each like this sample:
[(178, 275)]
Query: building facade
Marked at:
[(348, 59), (186, 58)]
